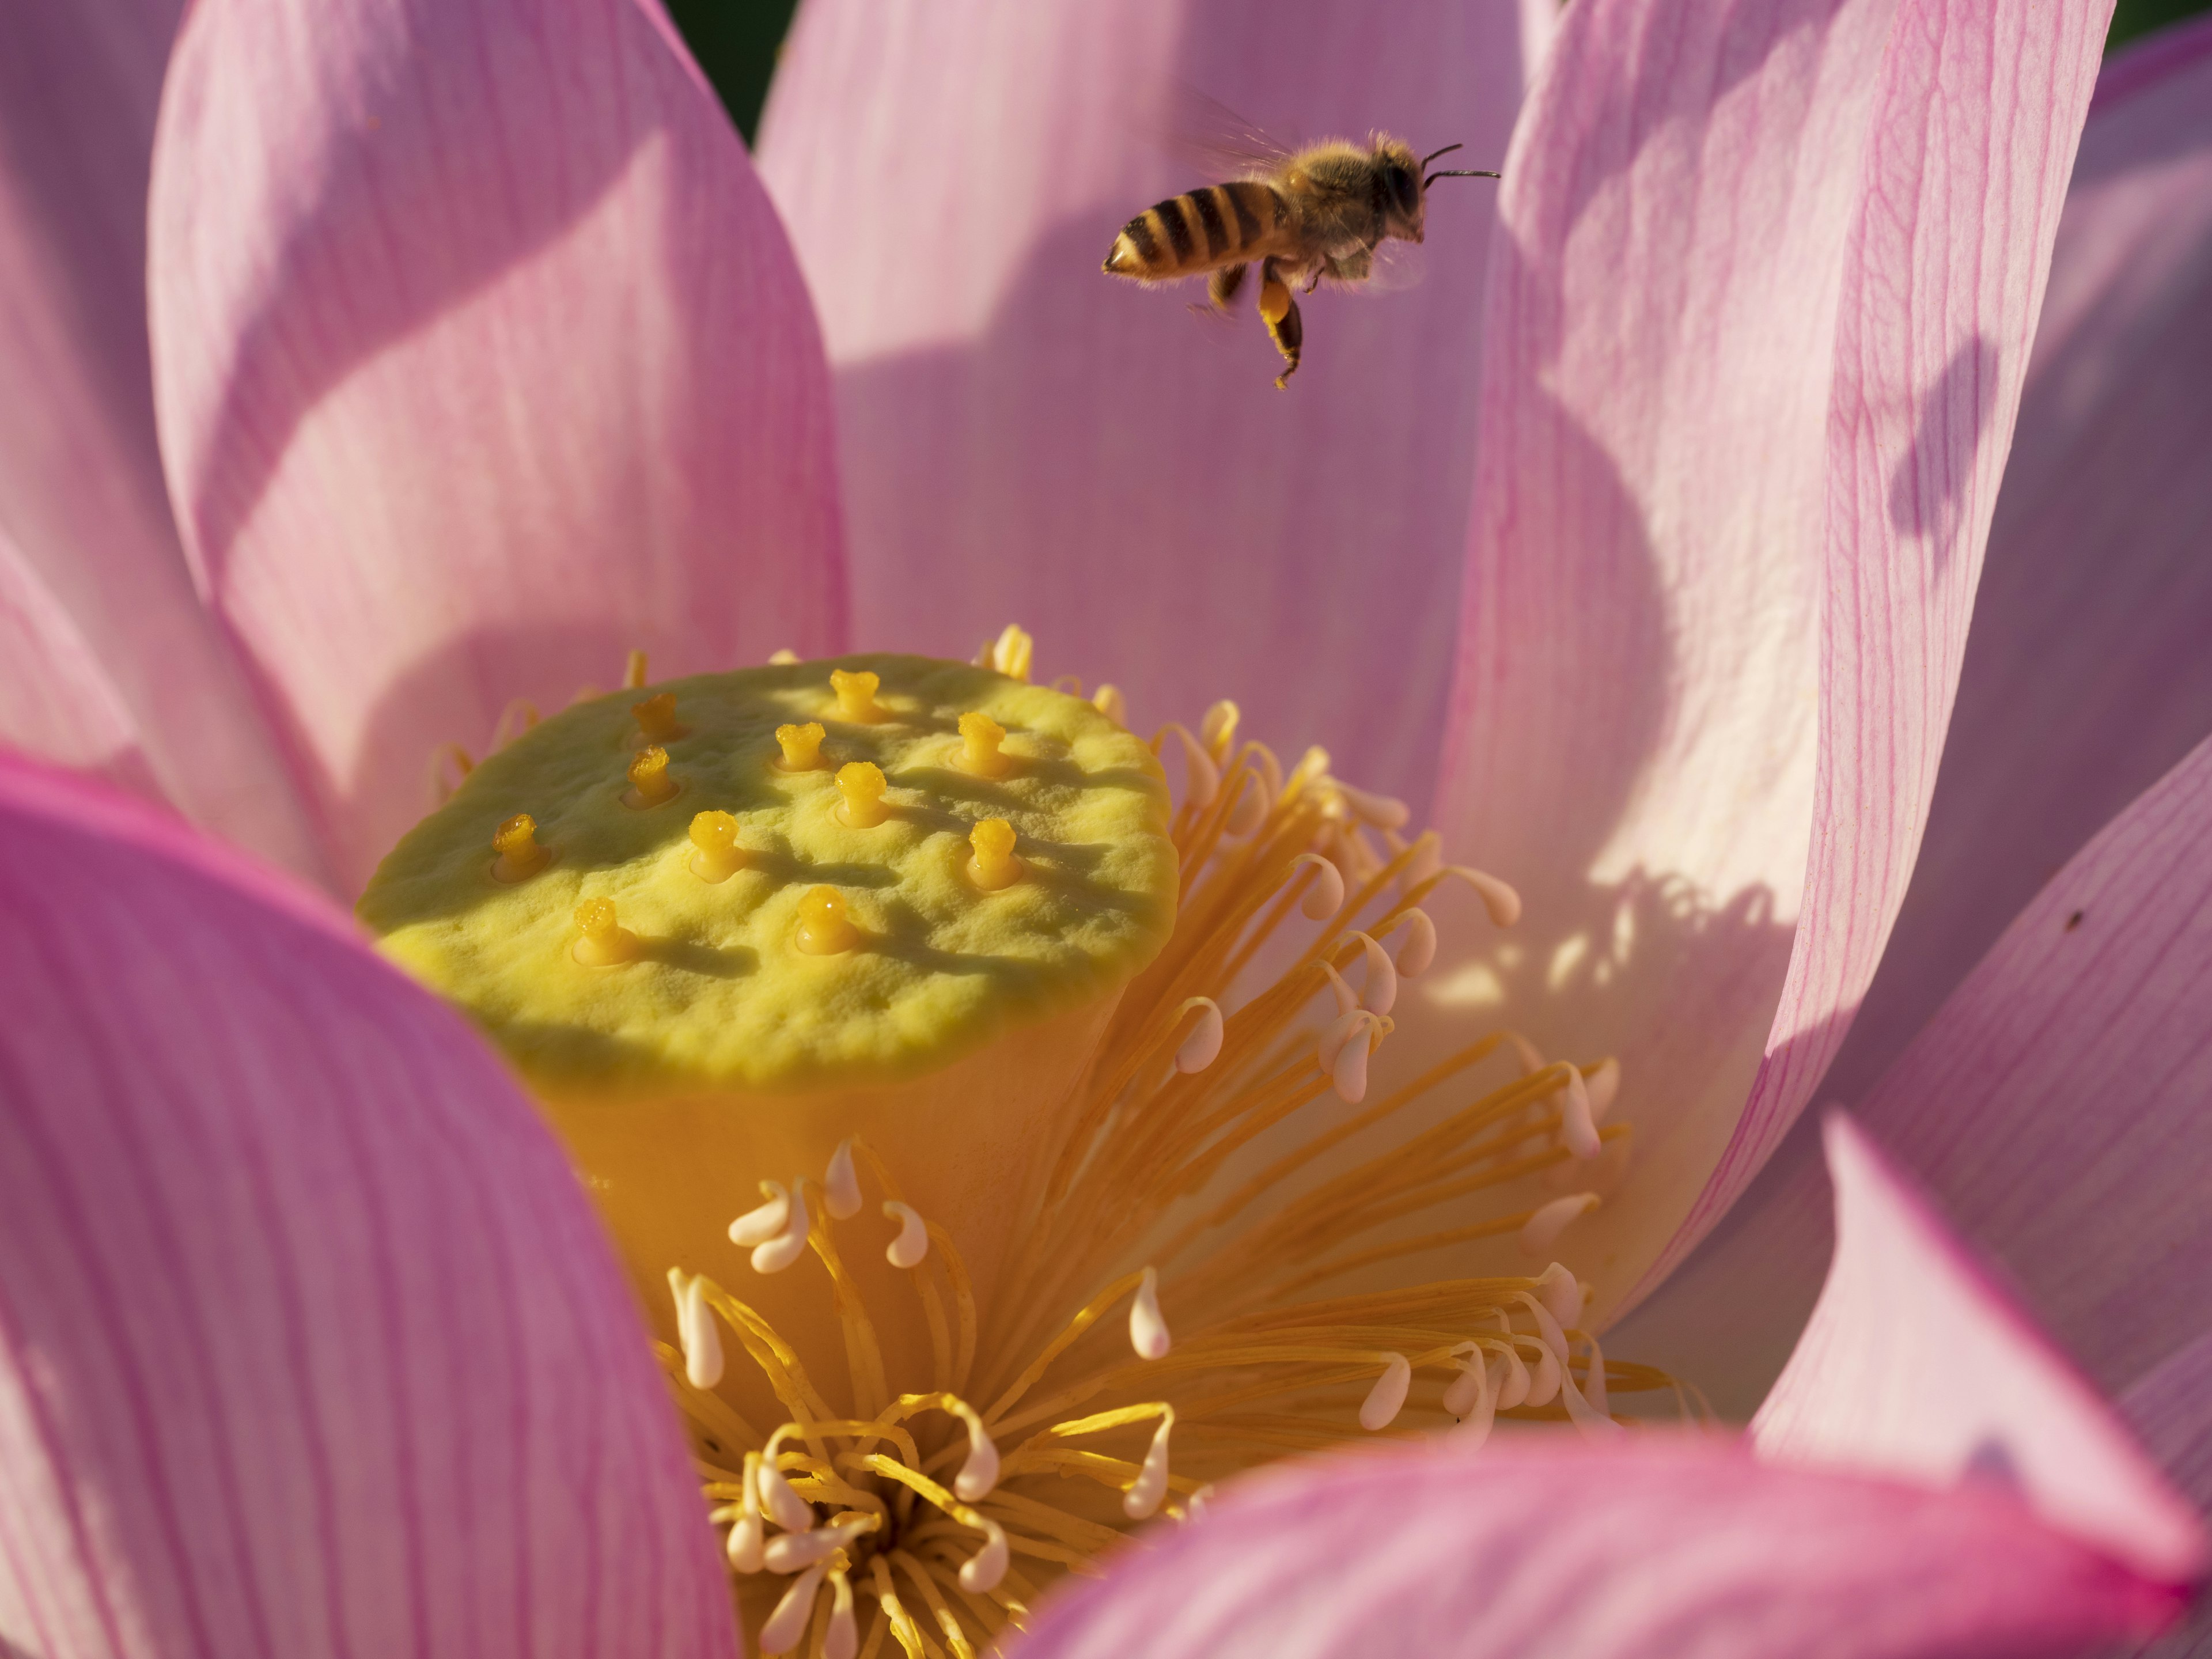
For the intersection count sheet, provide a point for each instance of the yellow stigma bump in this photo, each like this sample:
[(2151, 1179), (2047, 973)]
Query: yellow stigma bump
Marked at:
[(717, 856), (603, 941), (649, 782), (520, 857), (993, 865), (856, 696), (981, 737), (656, 717), (802, 746), (824, 929), (861, 783)]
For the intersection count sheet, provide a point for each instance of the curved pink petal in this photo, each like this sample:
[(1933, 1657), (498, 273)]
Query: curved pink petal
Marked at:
[(81, 491), (1657, 1545), (1758, 334), (2172, 1409), (54, 693), (2085, 675), (480, 358), (2056, 1108), (1915, 1364), (309, 1343), (1025, 438)]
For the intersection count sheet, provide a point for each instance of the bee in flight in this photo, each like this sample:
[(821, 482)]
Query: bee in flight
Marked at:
[(1321, 212)]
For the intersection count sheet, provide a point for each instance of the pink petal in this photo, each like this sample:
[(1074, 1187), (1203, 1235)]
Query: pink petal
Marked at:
[(1654, 1545), (54, 693), (1027, 439), (2171, 1410), (309, 1344), (81, 491), (2055, 1106), (2085, 675), (480, 358), (1916, 1365), (1757, 335)]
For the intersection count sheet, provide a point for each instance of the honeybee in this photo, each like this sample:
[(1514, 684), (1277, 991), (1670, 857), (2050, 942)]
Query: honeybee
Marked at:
[(1319, 212)]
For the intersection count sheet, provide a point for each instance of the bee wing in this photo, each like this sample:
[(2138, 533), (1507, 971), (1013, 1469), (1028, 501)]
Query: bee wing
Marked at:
[(1392, 268), (1206, 134)]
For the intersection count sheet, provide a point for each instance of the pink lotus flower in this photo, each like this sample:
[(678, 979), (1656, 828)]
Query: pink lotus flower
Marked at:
[(473, 353)]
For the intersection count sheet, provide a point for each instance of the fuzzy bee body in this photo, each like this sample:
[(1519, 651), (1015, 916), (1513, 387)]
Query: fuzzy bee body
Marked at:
[(1320, 213)]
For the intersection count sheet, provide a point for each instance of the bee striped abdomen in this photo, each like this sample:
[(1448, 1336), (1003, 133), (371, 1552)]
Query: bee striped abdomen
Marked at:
[(1199, 230)]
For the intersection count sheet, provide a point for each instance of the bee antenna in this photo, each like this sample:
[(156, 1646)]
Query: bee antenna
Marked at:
[(1433, 177), (1446, 150)]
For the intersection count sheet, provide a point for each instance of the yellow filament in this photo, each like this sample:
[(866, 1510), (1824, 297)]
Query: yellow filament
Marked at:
[(856, 696), (824, 927), (656, 717), (716, 855), (649, 782), (862, 784), (602, 940), (802, 746), (993, 865), (520, 857), (979, 737)]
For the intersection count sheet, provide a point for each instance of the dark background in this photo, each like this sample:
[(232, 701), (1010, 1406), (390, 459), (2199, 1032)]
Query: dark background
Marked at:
[(736, 41)]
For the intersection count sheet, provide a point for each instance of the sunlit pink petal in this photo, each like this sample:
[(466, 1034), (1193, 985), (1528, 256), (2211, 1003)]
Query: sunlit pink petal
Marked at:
[(480, 358), (2085, 675), (54, 693), (309, 1343), (2171, 1410), (1026, 438), (1756, 344), (1657, 1545), (2056, 1108), (1915, 1364), (81, 491)]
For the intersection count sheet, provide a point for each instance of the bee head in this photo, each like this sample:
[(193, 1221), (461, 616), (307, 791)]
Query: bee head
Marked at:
[(1398, 184)]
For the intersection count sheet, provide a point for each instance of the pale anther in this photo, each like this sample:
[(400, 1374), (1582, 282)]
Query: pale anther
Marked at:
[(1541, 1230), (695, 1330), (1251, 810), (1199, 1049), (1576, 1126), (1219, 729), (1497, 897), (1203, 777), (980, 1573), (783, 657), (1012, 653), (1347, 997), (1513, 1385), (1326, 896), (1379, 992), (785, 1507), (1420, 948), (758, 1226), (1602, 1081), (912, 1244), (1388, 1397), (1427, 859), (1150, 1487), (1349, 1073), (1148, 1331), (1589, 1414), (787, 1626), (841, 1186), (1473, 1381), (748, 1538), (1381, 811), (843, 1641), (1561, 1293), (787, 1246), (1108, 700), (634, 671), (795, 1552), (980, 1472)]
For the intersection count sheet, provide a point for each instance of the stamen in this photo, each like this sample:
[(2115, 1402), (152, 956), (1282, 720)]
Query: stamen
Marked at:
[(1108, 700), (801, 746), (1144, 1497), (604, 941), (747, 1540), (862, 784), (782, 656), (787, 1626), (1381, 992), (520, 857), (1217, 731), (649, 782), (1561, 1293), (1381, 811), (785, 1507), (1577, 1124), (1420, 948), (656, 718), (912, 1244), (1473, 1400), (1201, 777), (979, 737), (1251, 810), (1010, 654), (980, 1573), (1589, 1414), (795, 1552), (695, 1330), (1203, 1046), (1347, 997), (716, 856), (787, 1246), (1541, 1230), (1326, 896), (1497, 897), (843, 1641), (841, 1186), (824, 927), (1602, 1083), (634, 671), (758, 1226), (992, 863), (856, 696), (1388, 1397), (1349, 1071), (1148, 1331)]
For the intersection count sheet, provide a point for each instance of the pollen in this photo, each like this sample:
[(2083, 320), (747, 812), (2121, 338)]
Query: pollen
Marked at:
[(801, 746), (992, 863), (862, 784), (649, 782), (520, 857), (856, 691), (979, 737)]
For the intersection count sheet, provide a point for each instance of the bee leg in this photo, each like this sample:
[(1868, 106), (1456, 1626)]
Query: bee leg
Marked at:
[(1221, 287), (1280, 312)]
